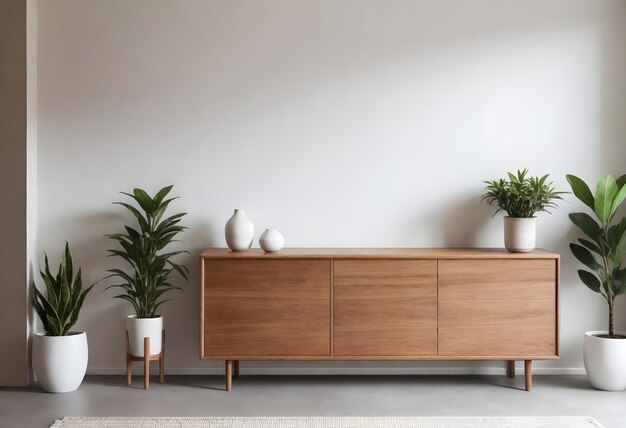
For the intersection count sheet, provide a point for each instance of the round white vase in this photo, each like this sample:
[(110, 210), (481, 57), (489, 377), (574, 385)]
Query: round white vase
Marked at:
[(60, 362), (271, 240), (239, 231), (519, 234), (604, 361), (140, 328)]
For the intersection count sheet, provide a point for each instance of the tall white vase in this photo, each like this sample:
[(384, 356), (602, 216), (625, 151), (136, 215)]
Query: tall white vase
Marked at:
[(239, 231)]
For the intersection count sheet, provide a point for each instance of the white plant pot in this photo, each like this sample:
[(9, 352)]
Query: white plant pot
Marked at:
[(605, 361), (139, 328), (271, 240), (60, 362), (239, 231), (519, 234)]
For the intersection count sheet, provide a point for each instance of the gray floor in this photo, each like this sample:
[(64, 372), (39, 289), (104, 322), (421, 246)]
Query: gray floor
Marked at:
[(316, 396)]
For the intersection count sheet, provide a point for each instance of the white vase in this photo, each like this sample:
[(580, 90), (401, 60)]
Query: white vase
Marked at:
[(271, 240), (140, 328), (605, 361), (239, 231), (60, 362), (519, 234)]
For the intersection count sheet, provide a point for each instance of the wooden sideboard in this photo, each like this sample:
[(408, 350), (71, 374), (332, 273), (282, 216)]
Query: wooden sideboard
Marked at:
[(379, 304)]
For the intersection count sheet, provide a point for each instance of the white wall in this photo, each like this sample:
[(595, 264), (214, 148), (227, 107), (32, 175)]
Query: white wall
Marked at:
[(350, 123)]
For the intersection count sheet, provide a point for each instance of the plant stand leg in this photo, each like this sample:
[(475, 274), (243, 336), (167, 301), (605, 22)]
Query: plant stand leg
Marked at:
[(528, 373), (162, 359), (146, 362), (236, 369), (229, 375), (129, 362), (510, 370)]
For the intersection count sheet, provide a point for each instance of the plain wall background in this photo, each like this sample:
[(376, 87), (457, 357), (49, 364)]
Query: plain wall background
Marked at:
[(348, 124)]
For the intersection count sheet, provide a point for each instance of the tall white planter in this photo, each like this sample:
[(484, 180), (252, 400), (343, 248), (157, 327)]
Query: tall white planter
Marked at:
[(239, 231), (605, 361), (139, 328), (60, 362), (519, 234)]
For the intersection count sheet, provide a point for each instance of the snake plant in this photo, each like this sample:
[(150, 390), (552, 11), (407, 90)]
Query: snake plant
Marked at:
[(58, 309), (151, 268)]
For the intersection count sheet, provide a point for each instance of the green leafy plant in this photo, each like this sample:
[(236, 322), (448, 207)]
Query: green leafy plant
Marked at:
[(58, 309), (151, 268), (521, 196), (604, 253)]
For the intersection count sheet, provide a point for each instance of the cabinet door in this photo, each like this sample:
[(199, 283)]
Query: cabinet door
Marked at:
[(266, 308), (385, 307), (490, 308)]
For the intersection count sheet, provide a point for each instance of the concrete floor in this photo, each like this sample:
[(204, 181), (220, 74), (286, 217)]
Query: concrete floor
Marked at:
[(316, 396)]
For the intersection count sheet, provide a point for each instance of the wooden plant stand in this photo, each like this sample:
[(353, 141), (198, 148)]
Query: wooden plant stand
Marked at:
[(146, 360)]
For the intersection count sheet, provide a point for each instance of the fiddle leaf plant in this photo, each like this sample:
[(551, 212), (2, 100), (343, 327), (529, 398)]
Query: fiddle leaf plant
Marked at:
[(521, 196), (151, 267), (58, 309), (604, 251)]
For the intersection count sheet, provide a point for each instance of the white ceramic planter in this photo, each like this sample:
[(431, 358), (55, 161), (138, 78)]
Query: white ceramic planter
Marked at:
[(271, 240), (239, 231), (519, 234), (139, 328), (605, 361), (60, 362)]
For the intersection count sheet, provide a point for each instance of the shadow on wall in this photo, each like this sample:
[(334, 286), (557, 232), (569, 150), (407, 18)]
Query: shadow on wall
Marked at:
[(464, 222)]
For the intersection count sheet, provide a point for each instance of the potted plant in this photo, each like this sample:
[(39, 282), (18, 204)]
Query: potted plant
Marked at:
[(521, 197), (603, 255), (151, 267), (60, 354)]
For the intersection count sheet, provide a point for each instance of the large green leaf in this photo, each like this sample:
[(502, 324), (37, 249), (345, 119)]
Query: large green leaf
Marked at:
[(619, 251), (587, 224), (584, 256), (590, 246), (617, 200), (606, 190), (581, 190), (590, 280)]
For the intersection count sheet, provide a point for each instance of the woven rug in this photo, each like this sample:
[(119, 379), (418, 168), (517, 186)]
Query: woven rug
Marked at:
[(306, 422)]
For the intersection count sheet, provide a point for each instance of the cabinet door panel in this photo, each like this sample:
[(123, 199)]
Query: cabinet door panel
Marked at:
[(266, 307), (385, 307), (497, 307)]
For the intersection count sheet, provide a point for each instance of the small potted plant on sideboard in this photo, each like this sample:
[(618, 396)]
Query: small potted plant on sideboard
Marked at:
[(603, 252), (60, 355), (521, 197), (151, 268)]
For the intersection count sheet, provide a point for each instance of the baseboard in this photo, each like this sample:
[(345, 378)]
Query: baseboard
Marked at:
[(347, 371)]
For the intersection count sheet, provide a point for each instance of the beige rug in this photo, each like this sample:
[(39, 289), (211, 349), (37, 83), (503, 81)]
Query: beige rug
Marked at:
[(306, 422)]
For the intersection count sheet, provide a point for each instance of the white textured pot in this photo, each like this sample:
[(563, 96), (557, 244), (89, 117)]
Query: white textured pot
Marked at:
[(271, 240), (239, 231), (139, 328), (519, 234), (60, 362), (605, 361)]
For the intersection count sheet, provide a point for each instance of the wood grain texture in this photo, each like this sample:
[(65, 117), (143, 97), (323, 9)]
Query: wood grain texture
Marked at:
[(497, 307), (379, 253), (385, 307), (266, 308)]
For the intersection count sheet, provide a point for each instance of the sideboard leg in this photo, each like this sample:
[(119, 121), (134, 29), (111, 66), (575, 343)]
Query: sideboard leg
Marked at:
[(229, 375), (236, 369), (528, 372), (510, 370)]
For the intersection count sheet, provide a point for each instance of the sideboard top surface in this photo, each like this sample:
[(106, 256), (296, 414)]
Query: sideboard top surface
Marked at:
[(378, 253)]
